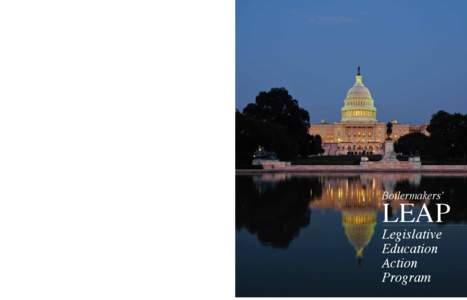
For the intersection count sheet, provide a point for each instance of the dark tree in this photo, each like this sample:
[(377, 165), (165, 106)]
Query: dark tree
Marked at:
[(246, 140), (251, 133), (316, 145), (448, 135), (412, 144), (282, 125), (279, 107)]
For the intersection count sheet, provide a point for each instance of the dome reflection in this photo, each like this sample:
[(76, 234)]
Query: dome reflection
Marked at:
[(358, 198)]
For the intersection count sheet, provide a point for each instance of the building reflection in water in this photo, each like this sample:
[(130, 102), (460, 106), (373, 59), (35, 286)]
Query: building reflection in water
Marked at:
[(276, 207), (358, 198)]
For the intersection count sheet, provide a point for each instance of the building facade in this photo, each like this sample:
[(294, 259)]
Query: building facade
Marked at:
[(359, 132)]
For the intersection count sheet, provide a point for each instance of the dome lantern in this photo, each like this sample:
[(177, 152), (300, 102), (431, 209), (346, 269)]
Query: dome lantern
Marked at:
[(358, 104)]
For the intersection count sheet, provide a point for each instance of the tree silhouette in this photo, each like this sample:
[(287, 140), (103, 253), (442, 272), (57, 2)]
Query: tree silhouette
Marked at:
[(448, 135), (412, 144), (447, 142), (276, 122)]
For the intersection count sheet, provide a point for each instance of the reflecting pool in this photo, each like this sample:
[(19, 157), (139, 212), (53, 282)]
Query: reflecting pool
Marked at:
[(321, 235)]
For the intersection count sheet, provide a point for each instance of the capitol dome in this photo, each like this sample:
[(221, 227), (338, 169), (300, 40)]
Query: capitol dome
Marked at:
[(358, 104)]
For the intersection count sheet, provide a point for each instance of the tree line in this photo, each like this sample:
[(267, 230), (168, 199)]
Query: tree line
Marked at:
[(276, 122), (447, 140)]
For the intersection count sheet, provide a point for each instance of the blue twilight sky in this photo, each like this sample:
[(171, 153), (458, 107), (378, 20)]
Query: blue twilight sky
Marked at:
[(413, 54)]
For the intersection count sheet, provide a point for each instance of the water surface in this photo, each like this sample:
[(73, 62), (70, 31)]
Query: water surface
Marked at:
[(320, 235)]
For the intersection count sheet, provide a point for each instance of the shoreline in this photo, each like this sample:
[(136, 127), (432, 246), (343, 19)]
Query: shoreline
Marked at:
[(462, 169)]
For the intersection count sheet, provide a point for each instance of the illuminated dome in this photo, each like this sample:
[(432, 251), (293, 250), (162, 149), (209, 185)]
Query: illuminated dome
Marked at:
[(358, 105)]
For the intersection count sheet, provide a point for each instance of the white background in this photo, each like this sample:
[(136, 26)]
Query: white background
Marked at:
[(117, 149)]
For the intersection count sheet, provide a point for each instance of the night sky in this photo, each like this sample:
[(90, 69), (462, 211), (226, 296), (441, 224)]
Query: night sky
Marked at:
[(413, 54)]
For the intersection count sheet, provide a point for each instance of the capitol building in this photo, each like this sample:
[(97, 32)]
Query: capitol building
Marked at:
[(359, 132)]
